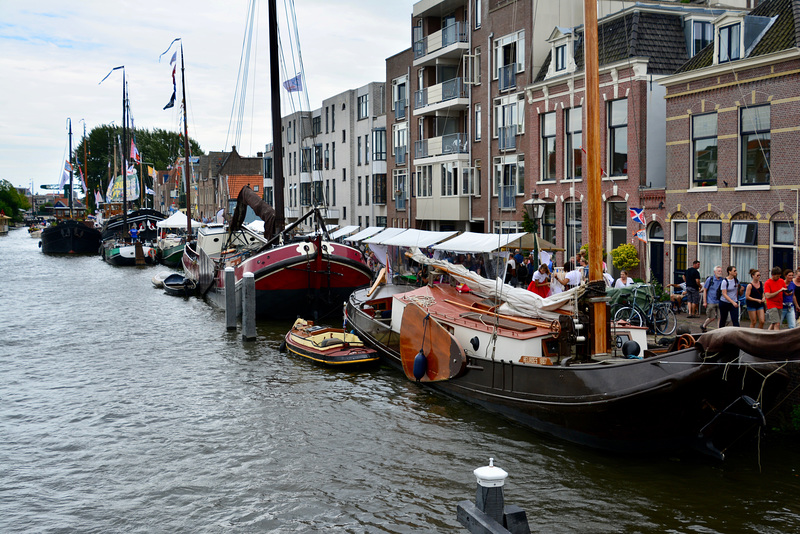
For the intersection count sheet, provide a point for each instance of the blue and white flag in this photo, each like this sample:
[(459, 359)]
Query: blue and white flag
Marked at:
[(637, 214), (65, 173), (295, 84), (640, 235)]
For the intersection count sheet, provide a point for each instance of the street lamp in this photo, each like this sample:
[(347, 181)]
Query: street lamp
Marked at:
[(535, 208)]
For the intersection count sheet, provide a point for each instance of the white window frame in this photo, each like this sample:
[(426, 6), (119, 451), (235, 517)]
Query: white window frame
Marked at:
[(478, 118), (516, 177), (516, 39), (502, 116), (570, 151), (700, 134), (708, 252)]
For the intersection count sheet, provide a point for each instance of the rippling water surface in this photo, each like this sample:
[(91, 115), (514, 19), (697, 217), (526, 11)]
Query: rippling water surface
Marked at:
[(125, 410)]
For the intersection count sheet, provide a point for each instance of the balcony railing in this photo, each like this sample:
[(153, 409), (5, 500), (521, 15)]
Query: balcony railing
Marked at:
[(442, 92), (400, 109), (400, 155), (457, 143), (454, 33), (508, 77), (507, 137)]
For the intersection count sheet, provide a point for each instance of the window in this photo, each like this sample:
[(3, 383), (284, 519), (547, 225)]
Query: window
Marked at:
[(344, 212), (783, 235), (333, 192), (744, 246), (317, 199), (366, 190), (709, 249), (399, 95), (399, 184), (380, 221), (703, 34), (477, 124), (333, 117), (268, 196), (359, 190), (574, 143), (755, 128), (509, 54), (379, 189), (344, 175), (572, 226), (729, 43), (318, 157), (366, 149), (680, 237), (509, 179), (549, 222), (363, 106), (327, 157), (379, 144), (618, 136), (509, 120), (449, 179), (305, 160), (316, 125), (471, 179), (704, 150), (617, 230), (476, 13), (327, 115), (425, 181), (358, 152), (549, 146), (344, 136), (333, 155), (305, 194), (400, 142), (561, 58)]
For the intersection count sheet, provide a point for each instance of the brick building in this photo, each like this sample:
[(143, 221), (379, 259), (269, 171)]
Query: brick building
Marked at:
[(731, 198)]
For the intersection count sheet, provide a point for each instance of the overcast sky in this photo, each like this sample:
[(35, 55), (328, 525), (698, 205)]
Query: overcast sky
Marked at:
[(53, 54)]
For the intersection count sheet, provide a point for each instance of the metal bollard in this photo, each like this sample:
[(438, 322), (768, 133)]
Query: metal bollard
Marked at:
[(490, 514), (249, 307), (230, 299)]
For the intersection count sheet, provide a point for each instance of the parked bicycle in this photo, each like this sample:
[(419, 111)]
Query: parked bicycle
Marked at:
[(657, 316)]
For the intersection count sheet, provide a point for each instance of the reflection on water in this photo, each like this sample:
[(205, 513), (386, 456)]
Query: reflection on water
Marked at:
[(122, 409)]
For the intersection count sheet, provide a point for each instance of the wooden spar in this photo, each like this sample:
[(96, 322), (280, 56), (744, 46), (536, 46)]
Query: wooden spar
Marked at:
[(275, 103), (553, 325), (188, 178), (378, 280), (593, 150)]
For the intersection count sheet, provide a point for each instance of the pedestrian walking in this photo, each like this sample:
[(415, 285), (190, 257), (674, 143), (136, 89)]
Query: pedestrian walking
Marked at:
[(729, 298), (693, 289), (711, 297), (789, 300), (773, 295), (754, 299)]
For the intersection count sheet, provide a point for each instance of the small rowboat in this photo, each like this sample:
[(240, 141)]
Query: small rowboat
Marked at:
[(328, 346)]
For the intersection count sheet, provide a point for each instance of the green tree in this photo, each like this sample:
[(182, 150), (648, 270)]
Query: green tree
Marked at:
[(158, 148), (528, 224), (11, 202), (625, 257)]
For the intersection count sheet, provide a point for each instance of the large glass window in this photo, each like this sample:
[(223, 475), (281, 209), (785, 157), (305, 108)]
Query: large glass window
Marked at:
[(509, 59), (709, 247), (549, 222), (379, 189), (574, 143), (729, 43), (703, 34), (680, 237), (425, 181), (509, 120), (561, 57), (400, 142), (572, 228), (363, 106), (399, 179), (618, 136), (509, 179), (379, 144), (783, 236), (549, 146), (477, 125), (704, 146), (744, 246), (755, 131), (449, 179), (617, 231)]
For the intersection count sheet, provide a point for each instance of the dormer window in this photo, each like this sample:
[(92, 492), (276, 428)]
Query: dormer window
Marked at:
[(702, 35), (729, 43), (561, 58)]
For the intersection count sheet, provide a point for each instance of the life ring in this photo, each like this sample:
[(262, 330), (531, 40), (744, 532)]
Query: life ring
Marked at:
[(686, 341)]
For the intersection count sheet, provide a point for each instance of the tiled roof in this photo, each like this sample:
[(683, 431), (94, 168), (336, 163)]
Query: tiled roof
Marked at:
[(782, 35), (237, 181), (236, 164), (656, 36)]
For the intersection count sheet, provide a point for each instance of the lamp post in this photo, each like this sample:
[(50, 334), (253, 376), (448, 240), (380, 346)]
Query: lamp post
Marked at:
[(535, 209)]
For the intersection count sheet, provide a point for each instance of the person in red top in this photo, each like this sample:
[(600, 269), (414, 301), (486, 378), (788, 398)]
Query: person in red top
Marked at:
[(773, 294)]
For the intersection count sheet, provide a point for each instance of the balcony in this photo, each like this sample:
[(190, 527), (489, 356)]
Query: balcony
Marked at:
[(451, 94), (457, 143), (449, 42), (508, 77), (439, 208), (507, 137)]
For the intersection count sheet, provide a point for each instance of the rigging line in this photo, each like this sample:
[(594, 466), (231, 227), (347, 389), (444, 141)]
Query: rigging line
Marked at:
[(242, 67), (255, 77)]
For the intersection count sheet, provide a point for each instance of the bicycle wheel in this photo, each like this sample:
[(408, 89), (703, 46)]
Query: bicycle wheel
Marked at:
[(664, 320), (630, 315)]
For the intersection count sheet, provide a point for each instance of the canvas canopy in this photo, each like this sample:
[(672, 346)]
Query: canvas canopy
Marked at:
[(475, 242), (347, 230), (363, 234), (417, 238), (387, 233), (177, 220)]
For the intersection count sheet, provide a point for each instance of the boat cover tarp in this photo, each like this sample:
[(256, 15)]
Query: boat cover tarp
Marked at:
[(516, 300), (177, 220), (769, 345), (474, 242), (381, 237), (417, 238), (247, 197), (363, 234), (347, 230)]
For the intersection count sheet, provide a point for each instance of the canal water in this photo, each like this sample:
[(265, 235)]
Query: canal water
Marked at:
[(123, 409)]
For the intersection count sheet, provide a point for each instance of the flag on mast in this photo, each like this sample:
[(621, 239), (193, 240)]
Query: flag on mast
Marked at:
[(637, 214), (294, 84), (640, 235), (65, 173), (135, 153)]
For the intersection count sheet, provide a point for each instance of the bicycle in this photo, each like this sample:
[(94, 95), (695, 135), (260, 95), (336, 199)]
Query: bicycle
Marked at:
[(657, 316)]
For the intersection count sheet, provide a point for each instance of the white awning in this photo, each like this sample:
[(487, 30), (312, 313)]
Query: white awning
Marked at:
[(477, 242), (380, 238), (363, 234), (347, 230), (328, 227), (177, 220), (418, 238)]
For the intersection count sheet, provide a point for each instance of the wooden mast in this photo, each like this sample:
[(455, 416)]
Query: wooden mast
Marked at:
[(277, 140), (70, 168), (186, 151), (593, 150), (124, 155), (85, 169)]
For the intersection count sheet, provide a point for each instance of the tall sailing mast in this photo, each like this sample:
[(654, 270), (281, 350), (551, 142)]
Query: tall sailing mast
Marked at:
[(186, 150), (277, 140), (70, 168)]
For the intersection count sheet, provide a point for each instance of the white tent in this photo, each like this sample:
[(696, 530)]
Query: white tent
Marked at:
[(476, 242), (380, 238), (363, 234), (347, 230), (177, 220), (417, 238)]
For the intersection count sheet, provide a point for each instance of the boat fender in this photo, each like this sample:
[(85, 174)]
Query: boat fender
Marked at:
[(420, 365), (631, 350), (475, 342), (282, 347)]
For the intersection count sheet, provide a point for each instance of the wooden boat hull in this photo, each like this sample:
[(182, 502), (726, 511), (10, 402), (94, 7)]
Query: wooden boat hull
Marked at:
[(145, 217), (328, 346), (124, 255), (70, 237), (658, 404), (178, 286), (170, 256)]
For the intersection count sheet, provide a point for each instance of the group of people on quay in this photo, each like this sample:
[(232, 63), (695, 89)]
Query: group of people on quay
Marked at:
[(768, 302)]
